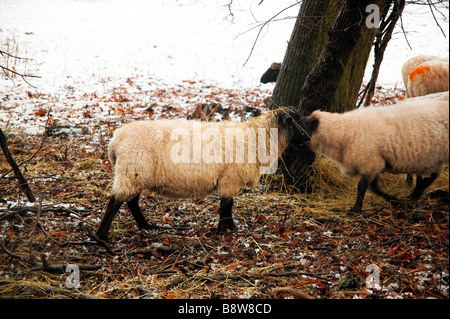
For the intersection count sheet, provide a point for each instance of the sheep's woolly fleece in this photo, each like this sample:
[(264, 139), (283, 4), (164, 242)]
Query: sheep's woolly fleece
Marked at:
[(145, 156), (425, 74), (364, 140)]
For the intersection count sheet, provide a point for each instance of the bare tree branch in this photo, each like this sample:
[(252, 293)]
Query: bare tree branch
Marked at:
[(382, 39), (6, 69), (263, 25), (431, 6)]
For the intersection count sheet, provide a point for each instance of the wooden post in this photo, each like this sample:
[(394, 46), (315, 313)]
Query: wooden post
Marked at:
[(23, 183)]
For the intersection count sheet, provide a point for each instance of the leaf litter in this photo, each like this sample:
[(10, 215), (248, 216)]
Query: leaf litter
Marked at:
[(286, 244)]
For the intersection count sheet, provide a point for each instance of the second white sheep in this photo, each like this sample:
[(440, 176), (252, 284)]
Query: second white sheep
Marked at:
[(369, 141)]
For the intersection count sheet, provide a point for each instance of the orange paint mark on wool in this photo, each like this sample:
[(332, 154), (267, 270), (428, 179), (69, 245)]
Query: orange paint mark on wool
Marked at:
[(419, 70)]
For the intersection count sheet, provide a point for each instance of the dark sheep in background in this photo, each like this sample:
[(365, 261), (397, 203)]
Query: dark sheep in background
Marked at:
[(271, 74)]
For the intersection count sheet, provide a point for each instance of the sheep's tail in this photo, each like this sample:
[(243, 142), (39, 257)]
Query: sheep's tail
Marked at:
[(112, 154)]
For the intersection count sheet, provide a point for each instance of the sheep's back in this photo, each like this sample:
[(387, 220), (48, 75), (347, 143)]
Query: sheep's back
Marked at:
[(414, 62), (429, 77), (413, 137), (142, 154), (410, 137)]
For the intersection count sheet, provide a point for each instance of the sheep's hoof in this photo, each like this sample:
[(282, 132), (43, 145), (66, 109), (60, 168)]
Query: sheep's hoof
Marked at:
[(225, 224), (355, 210)]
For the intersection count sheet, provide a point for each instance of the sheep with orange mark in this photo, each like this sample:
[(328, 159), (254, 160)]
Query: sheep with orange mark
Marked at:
[(425, 74)]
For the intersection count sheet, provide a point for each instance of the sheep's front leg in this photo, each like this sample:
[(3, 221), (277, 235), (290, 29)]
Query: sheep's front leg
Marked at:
[(421, 185), (226, 218), (112, 208), (363, 184)]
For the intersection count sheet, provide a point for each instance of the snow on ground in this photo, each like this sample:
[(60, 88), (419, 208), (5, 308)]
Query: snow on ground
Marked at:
[(73, 40), (87, 48), (173, 40)]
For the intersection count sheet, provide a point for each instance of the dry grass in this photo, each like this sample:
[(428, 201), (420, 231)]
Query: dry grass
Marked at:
[(284, 240), (305, 241)]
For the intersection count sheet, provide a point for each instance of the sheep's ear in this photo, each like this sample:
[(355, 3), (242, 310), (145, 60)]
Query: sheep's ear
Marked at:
[(312, 123), (284, 119)]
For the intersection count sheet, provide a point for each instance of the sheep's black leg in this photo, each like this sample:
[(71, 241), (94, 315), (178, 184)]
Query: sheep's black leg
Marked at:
[(133, 206), (112, 208), (421, 185), (363, 184), (376, 189), (409, 179), (419, 179), (226, 218)]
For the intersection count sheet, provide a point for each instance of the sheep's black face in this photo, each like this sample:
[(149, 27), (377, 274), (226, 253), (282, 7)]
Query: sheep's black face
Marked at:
[(298, 132), (270, 75)]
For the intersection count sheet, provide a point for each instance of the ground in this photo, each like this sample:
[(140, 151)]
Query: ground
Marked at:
[(308, 243)]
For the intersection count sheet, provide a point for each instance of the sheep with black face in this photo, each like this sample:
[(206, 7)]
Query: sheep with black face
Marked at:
[(369, 141), (271, 75), (185, 159)]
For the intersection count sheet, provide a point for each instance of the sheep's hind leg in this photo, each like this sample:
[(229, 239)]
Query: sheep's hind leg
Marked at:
[(376, 189), (112, 208), (226, 217), (133, 206), (421, 185)]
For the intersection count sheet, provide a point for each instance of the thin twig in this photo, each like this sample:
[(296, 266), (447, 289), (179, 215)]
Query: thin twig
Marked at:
[(262, 27), (432, 5), (12, 56), (23, 76), (101, 242), (40, 146)]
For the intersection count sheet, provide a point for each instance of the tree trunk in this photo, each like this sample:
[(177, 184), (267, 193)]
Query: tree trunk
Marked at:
[(321, 84), (307, 42), (320, 74), (305, 45)]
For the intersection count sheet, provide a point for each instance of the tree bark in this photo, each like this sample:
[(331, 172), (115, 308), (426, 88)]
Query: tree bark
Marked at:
[(305, 45), (322, 82), (323, 68)]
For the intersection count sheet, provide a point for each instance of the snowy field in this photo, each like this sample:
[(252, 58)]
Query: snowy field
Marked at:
[(82, 41), (94, 56)]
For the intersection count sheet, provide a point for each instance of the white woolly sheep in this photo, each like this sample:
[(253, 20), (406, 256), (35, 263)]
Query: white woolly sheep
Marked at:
[(443, 96), (425, 74), (185, 159), (369, 141), (271, 75)]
